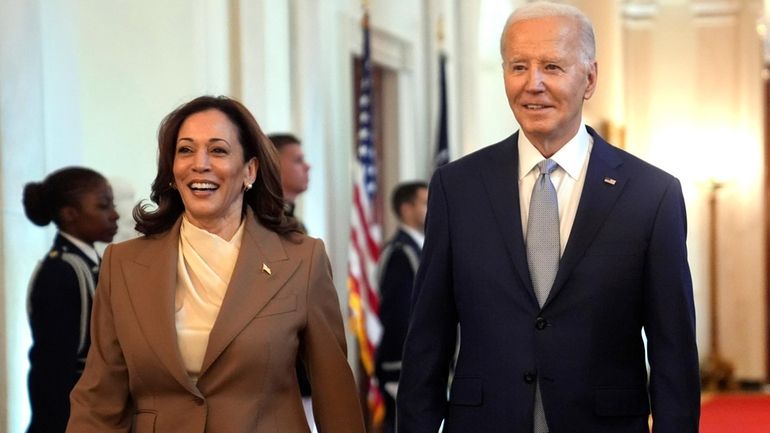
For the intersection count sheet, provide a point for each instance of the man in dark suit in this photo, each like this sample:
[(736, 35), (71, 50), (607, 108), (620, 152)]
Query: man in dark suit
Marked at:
[(398, 267), (551, 344)]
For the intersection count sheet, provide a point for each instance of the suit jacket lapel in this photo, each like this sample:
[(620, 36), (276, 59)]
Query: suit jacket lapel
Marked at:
[(151, 281), (596, 201), (252, 286), (500, 176)]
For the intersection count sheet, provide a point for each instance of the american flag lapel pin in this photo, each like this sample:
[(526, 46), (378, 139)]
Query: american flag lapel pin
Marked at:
[(266, 269), (610, 181)]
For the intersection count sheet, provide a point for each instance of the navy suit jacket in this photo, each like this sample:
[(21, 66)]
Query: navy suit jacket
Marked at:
[(624, 269)]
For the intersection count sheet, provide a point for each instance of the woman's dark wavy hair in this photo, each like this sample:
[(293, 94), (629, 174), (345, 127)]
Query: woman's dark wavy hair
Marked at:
[(265, 197)]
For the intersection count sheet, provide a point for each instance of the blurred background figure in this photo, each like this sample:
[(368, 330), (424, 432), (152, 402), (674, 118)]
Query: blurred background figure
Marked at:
[(398, 267), (125, 200), (294, 170), (79, 201)]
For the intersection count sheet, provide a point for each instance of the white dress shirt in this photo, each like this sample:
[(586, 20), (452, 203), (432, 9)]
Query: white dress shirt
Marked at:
[(417, 236), (568, 178), (88, 250)]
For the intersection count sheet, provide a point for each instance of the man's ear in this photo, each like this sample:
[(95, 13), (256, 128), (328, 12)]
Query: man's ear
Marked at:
[(592, 78)]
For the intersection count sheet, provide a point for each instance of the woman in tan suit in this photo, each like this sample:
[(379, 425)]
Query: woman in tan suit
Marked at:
[(197, 325)]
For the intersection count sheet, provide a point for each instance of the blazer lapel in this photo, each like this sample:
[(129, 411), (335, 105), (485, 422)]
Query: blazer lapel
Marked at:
[(261, 270), (500, 177), (151, 281), (603, 185)]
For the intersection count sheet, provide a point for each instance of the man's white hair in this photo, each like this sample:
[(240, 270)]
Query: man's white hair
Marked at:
[(545, 9)]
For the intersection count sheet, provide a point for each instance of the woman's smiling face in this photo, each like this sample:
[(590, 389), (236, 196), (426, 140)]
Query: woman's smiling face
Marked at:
[(210, 172)]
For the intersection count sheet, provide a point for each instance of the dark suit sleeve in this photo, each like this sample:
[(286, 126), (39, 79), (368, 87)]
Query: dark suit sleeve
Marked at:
[(55, 303), (395, 302), (430, 341), (669, 315), (100, 401)]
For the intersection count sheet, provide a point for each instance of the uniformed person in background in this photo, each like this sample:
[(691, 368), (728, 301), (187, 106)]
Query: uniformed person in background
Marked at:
[(79, 201), (398, 267)]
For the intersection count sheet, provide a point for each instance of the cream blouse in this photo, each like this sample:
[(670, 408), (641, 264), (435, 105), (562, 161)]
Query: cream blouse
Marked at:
[(205, 266)]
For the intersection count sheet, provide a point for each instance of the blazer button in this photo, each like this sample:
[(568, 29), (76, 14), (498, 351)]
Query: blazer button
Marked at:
[(540, 323), (529, 377), (199, 401)]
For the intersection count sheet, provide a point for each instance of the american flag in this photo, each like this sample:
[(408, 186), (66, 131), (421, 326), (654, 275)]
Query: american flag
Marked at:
[(364, 252)]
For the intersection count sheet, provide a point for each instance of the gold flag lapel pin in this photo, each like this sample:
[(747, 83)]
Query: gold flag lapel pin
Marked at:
[(266, 269)]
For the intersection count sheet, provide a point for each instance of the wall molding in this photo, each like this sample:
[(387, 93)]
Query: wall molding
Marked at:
[(714, 9), (387, 49), (640, 11)]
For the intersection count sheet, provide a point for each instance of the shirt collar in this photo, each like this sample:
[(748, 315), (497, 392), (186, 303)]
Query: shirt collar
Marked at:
[(570, 157), (88, 250), (416, 235)]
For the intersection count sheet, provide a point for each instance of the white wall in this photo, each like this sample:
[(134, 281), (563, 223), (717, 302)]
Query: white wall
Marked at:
[(136, 61), (21, 121)]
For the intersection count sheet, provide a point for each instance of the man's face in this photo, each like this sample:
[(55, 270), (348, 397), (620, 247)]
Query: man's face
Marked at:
[(546, 79), (413, 213), (294, 171)]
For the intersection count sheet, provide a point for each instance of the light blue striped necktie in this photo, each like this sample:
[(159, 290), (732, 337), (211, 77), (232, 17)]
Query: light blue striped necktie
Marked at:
[(543, 251)]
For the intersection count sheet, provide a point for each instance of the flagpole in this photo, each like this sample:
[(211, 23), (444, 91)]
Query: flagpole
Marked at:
[(442, 133)]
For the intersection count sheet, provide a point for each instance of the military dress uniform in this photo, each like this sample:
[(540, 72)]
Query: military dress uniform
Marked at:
[(397, 269), (59, 307)]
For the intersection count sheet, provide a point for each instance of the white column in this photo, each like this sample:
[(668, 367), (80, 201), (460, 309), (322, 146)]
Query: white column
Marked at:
[(605, 110), (263, 67), (638, 31), (21, 157), (467, 48), (736, 158)]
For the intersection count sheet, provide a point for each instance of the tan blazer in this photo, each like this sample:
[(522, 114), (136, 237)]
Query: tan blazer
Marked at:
[(134, 378)]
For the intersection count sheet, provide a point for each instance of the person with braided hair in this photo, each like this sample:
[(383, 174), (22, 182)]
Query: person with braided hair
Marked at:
[(79, 202)]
